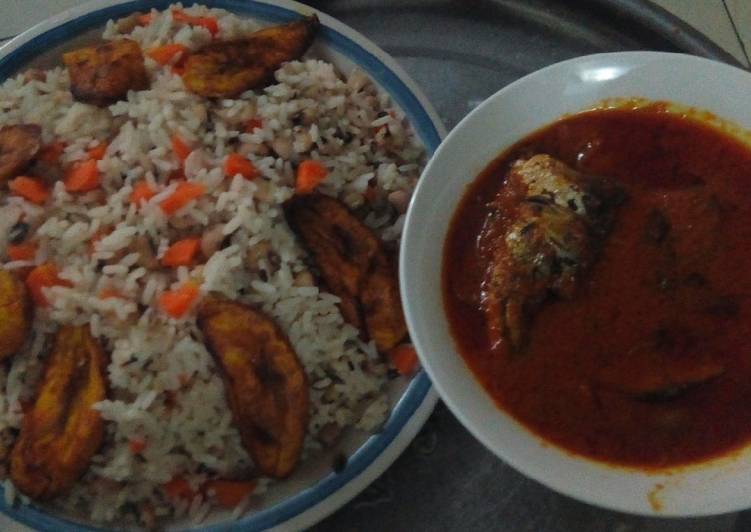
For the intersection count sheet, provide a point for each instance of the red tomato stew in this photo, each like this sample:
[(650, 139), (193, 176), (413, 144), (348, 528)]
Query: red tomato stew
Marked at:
[(597, 277)]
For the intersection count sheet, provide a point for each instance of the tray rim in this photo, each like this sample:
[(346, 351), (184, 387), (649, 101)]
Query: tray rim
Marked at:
[(649, 16)]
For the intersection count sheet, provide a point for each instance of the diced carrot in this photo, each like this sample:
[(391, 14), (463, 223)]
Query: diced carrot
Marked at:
[(178, 488), (83, 176), (181, 253), (111, 293), (97, 152), (42, 277), (237, 164), (181, 149), (210, 23), (23, 251), (404, 358), (229, 493), (164, 54), (142, 191), (146, 18), (253, 124), (310, 174), (177, 302), (30, 189), (183, 194), (136, 446), (51, 152)]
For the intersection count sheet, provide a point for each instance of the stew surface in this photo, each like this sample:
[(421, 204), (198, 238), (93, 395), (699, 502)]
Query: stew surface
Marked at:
[(667, 295)]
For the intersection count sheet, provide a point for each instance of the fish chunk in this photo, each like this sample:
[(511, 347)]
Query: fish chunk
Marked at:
[(62, 431), (265, 383), (354, 266), (19, 144), (15, 314), (557, 222), (227, 69), (103, 74)]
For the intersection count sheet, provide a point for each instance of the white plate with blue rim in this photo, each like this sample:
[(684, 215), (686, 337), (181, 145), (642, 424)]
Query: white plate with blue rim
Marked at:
[(315, 490)]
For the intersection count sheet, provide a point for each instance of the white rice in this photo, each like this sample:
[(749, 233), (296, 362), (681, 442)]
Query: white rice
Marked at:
[(164, 386)]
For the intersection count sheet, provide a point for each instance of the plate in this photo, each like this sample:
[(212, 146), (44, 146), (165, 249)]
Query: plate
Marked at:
[(314, 492), (707, 488)]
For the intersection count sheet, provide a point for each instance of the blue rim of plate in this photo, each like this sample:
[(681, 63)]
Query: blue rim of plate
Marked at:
[(425, 129)]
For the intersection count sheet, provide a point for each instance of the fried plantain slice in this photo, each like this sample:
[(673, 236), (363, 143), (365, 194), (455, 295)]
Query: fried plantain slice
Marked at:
[(354, 266), (103, 74), (266, 385), (226, 69), (15, 314), (382, 306), (278, 44), (341, 247), (19, 144), (61, 431)]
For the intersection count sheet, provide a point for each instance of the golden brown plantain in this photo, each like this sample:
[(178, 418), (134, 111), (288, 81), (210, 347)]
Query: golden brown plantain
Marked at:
[(382, 306), (61, 431), (226, 69), (340, 245), (19, 144), (354, 266), (266, 385), (15, 314), (103, 74)]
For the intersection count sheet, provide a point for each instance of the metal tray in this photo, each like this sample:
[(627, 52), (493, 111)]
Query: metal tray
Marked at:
[(461, 52)]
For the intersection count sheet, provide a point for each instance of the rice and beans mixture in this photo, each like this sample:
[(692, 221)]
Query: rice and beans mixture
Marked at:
[(168, 431)]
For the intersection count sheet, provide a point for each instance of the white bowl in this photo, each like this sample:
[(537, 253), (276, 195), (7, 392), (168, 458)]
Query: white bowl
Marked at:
[(717, 486)]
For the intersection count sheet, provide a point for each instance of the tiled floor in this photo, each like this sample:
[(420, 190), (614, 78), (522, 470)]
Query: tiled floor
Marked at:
[(740, 12), (727, 22)]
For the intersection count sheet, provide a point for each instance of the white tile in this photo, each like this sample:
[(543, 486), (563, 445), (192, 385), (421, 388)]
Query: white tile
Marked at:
[(740, 10), (710, 18), (19, 15)]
